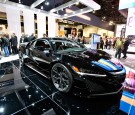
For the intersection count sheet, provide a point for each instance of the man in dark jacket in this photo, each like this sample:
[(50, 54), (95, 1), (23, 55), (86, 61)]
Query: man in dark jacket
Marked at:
[(125, 47), (14, 43), (32, 37), (101, 43), (23, 38), (5, 43), (0, 47)]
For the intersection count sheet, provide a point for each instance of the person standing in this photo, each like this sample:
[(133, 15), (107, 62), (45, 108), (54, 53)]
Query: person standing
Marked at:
[(125, 48), (23, 38), (74, 34), (14, 43), (0, 46), (84, 40), (106, 43), (44, 35), (9, 45), (114, 42), (5, 45), (118, 47), (32, 37), (110, 44), (101, 43)]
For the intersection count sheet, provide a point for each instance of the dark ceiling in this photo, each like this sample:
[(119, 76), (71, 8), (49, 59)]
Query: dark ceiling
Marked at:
[(109, 8)]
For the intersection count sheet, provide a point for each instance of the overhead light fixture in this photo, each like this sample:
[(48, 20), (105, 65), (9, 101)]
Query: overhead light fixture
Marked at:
[(47, 3), (19, 1), (94, 11), (41, 8), (65, 14), (80, 15), (53, 10), (77, 3), (104, 17), (111, 23), (2, 109)]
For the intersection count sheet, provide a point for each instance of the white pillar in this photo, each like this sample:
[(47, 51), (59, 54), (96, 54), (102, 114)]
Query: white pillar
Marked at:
[(13, 20), (51, 26), (28, 17), (41, 24)]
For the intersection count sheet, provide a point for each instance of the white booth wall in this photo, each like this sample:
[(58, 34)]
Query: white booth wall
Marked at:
[(89, 30)]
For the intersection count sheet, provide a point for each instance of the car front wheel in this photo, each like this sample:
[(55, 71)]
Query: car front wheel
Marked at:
[(61, 77)]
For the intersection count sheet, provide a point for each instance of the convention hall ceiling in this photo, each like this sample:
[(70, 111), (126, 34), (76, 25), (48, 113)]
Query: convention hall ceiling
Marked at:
[(108, 12)]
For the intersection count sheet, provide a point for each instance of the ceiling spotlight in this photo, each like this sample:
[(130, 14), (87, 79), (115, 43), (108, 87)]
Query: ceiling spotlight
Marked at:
[(111, 23), (41, 8), (93, 11), (47, 3), (104, 17), (19, 1), (77, 3), (65, 14), (2, 109)]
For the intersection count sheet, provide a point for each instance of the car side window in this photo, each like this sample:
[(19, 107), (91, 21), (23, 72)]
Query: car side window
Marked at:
[(42, 44), (33, 44)]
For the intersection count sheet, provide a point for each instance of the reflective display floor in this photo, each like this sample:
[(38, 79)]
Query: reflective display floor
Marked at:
[(25, 92)]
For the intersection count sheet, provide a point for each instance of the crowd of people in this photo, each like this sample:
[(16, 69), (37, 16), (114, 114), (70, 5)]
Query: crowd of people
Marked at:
[(119, 44), (9, 45)]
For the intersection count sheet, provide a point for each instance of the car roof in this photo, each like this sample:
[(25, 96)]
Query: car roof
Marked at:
[(54, 38)]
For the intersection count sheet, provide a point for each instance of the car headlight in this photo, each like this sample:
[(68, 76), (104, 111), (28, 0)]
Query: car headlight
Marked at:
[(82, 71)]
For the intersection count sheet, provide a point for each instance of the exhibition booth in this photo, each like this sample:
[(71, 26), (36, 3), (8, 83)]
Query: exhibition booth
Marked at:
[(57, 76)]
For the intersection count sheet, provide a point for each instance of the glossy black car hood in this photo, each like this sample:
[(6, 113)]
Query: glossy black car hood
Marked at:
[(98, 58)]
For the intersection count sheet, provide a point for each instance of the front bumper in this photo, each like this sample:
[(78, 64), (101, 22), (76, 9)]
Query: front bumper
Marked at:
[(97, 86)]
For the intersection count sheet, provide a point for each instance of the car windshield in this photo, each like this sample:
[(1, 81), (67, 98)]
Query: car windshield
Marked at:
[(67, 45)]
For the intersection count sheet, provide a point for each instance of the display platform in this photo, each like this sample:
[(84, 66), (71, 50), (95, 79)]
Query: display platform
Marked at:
[(33, 94)]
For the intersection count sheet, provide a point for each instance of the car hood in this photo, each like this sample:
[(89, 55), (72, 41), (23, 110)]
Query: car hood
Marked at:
[(98, 58)]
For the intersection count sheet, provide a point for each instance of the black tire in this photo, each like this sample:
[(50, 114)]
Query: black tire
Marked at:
[(61, 77)]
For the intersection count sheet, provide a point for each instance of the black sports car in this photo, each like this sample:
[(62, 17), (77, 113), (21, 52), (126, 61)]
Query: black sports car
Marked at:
[(70, 64)]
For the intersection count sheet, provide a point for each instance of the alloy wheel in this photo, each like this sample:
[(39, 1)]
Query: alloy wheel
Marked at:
[(61, 77)]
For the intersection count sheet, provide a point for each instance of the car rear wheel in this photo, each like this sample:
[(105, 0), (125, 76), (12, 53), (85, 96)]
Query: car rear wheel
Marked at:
[(61, 77)]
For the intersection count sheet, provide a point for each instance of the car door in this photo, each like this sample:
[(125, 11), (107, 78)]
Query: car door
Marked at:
[(32, 51), (41, 53)]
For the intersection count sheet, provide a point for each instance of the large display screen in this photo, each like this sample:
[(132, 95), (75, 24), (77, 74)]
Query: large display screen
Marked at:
[(96, 38), (123, 4), (130, 27), (120, 30)]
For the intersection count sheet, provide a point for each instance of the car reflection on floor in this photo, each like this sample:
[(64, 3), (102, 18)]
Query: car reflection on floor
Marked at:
[(33, 94)]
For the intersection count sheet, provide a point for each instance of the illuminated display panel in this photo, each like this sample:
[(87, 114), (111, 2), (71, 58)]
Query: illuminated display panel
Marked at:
[(124, 4)]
